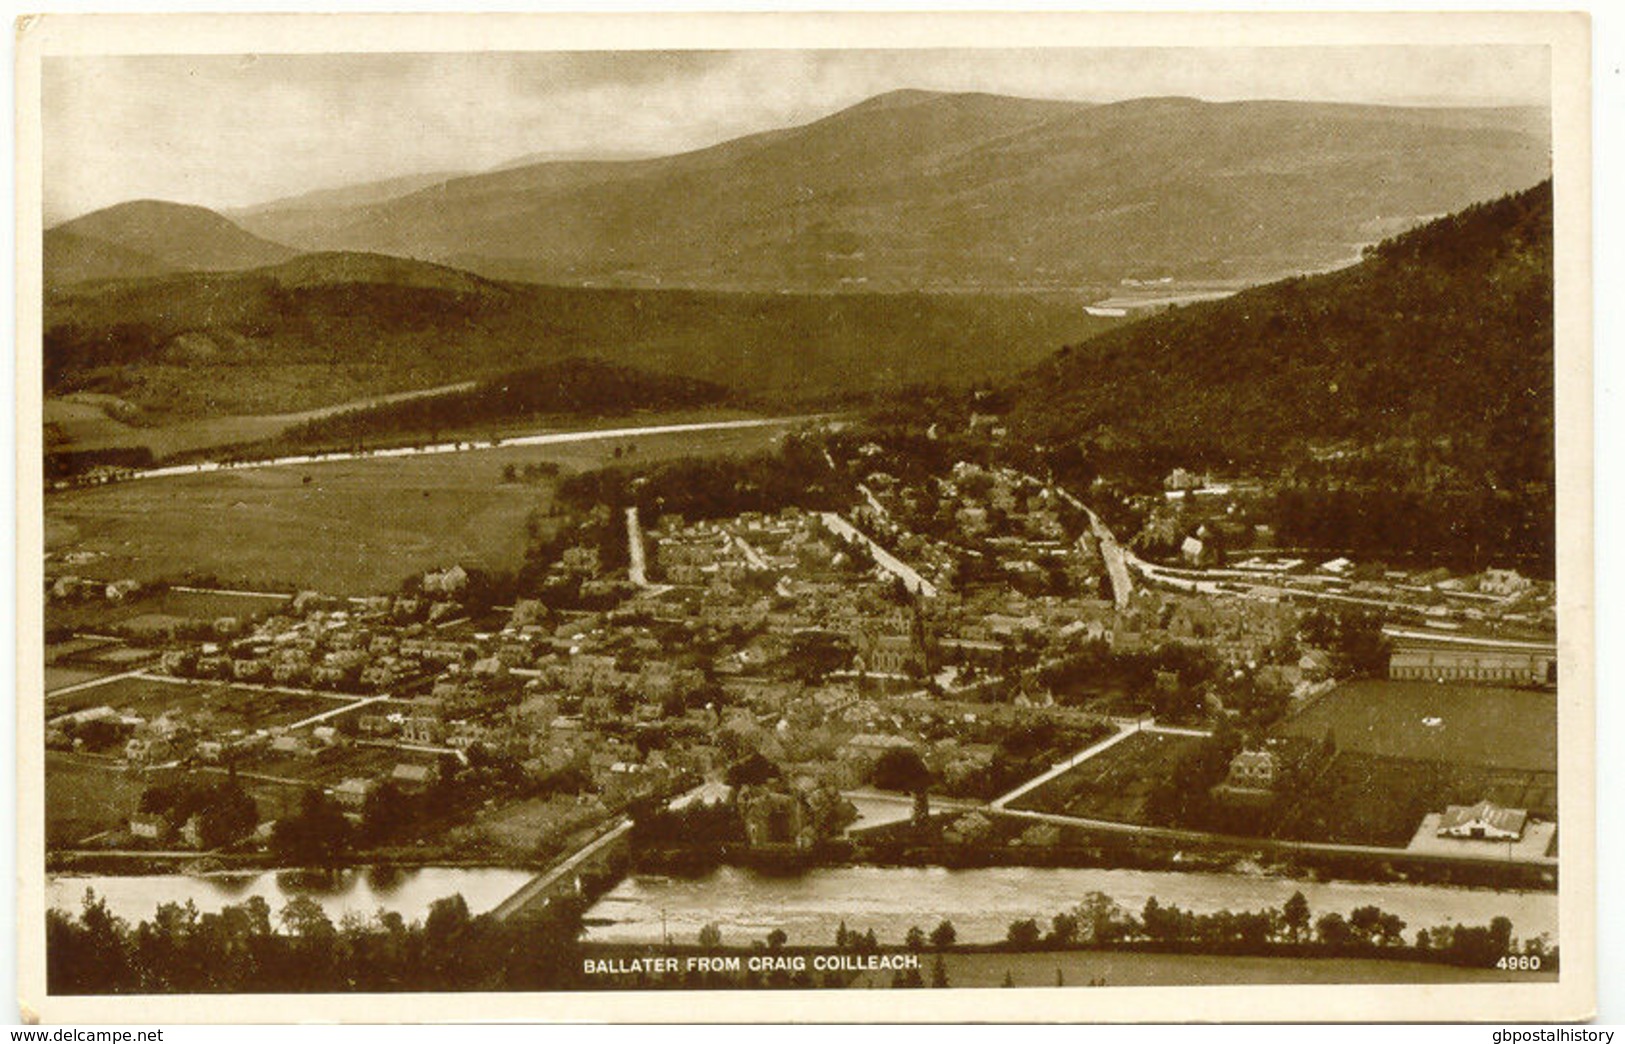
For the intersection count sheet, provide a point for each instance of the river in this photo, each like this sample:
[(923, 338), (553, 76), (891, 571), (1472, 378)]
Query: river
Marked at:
[(362, 891), (981, 903), (747, 904)]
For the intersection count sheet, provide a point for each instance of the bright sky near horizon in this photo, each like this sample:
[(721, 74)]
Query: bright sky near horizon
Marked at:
[(235, 130)]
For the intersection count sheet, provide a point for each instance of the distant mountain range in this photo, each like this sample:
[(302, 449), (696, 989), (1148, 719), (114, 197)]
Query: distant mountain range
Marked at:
[(152, 238), (920, 190), (911, 190), (911, 238), (1443, 333)]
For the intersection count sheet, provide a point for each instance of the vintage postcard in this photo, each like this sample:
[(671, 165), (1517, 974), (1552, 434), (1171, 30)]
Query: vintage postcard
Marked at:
[(858, 516)]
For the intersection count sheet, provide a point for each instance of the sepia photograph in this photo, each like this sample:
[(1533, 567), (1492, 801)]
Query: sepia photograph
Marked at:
[(745, 517)]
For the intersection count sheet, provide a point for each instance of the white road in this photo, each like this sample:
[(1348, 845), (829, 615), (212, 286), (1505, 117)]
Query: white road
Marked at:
[(92, 683), (553, 438), (1123, 732), (636, 570), (883, 558)]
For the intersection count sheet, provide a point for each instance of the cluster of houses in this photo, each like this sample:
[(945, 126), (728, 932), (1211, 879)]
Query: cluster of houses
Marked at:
[(776, 634)]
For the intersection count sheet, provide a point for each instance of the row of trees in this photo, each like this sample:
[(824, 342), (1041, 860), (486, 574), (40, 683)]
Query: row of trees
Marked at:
[(246, 948), (1099, 921)]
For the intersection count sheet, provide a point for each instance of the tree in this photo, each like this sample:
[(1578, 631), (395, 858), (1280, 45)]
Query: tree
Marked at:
[(902, 768), (939, 973), (1295, 916), (1333, 930), (753, 770), (943, 935), (1101, 919), (1391, 929), (1063, 930), (386, 812), (711, 936), (448, 919), (1366, 922), (776, 939), (304, 917), (230, 814), (814, 654), (318, 835), (915, 939), (1023, 934)]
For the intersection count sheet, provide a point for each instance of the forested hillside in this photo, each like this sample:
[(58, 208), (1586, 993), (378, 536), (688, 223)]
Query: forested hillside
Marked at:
[(1442, 335)]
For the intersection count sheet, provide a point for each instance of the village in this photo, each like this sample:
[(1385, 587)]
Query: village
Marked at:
[(979, 622)]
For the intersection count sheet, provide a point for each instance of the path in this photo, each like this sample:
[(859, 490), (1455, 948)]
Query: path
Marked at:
[(636, 570), (92, 683), (278, 596), (336, 711), (1489, 641), (1111, 552), (1261, 843), (465, 445), (1061, 767), (171, 679), (912, 580)]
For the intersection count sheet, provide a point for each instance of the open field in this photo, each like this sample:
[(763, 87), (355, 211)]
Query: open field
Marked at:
[(1079, 967), (520, 827), (1370, 799), (84, 796), (158, 611), (336, 766), (226, 706), (62, 677), (352, 527), (87, 421), (1113, 784), (1477, 725)]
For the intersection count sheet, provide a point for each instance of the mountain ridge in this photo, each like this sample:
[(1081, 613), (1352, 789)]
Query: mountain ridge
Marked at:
[(1444, 332), (149, 237), (939, 190), (328, 327)]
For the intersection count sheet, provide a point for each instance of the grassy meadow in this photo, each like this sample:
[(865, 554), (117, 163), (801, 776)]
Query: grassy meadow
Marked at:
[(345, 527)]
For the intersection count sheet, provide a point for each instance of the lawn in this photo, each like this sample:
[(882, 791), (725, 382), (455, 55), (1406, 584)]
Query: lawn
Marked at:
[(62, 677), (519, 826), (84, 796), (1114, 784), (1483, 726), (160, 610), (351, 527), (228, 706), (332, 769), (1371, 799)]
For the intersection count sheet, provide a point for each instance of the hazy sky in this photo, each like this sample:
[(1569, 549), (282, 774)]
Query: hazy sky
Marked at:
[(226, 131)]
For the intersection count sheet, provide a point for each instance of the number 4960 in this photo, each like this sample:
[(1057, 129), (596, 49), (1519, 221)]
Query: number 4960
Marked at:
[(1519, 962)]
